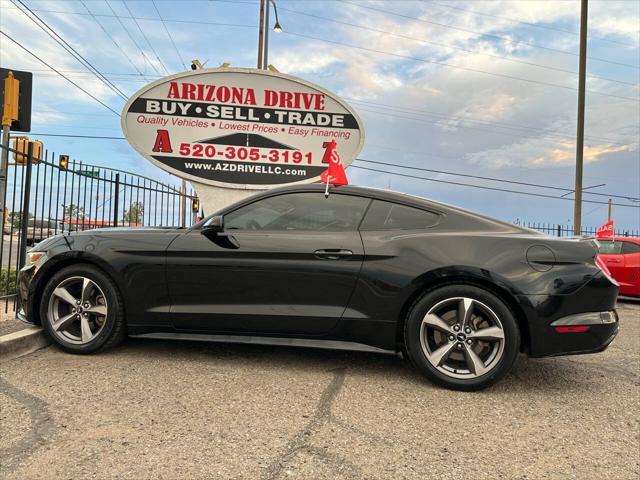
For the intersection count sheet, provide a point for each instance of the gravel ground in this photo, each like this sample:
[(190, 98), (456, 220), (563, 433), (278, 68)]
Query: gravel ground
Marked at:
[(8, 322), (162, 410)]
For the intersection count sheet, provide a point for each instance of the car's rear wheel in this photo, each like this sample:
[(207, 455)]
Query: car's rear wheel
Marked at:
[(81, 310), (462, 337)]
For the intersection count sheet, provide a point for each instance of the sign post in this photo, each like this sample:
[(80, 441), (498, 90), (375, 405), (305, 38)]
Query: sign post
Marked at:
[(230, 131)]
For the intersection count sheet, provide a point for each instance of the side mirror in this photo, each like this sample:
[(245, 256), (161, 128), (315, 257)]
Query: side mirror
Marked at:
[(215, 225)]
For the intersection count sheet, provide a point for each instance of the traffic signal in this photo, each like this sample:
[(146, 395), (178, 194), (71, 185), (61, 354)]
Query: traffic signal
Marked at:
[(195, 205), (21, 150), (63, 162)]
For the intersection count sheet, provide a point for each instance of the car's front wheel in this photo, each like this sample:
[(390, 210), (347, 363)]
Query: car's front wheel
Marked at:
[(81, 309), (462, 337)]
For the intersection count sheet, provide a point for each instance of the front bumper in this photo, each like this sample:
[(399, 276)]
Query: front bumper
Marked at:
[(581, 322), (23, 297)]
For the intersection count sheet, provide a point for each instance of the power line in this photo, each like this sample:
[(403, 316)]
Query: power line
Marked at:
[(100, 137), (444, 172), (380, 52), (529, 24), (499, 37), (168, 34), (145, 37), (448, 158), (72, 51), (410, 111), (422, 112), (504, 190), (111, 38), (493, 179), (126, 30), (151, 19), (59, 73), (444, 64), (429, 42)]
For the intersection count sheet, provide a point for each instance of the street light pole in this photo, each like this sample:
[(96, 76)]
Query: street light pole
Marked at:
[(577, 208), (276, 28), (260, 34)]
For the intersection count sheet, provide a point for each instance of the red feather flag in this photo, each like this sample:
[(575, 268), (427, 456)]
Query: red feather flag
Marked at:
[(335, 174), (605, 231)]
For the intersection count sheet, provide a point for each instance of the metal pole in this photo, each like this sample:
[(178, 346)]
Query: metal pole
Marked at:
[(577, 210), (609, 214), (4, 165), (116, 200), (265, 62), (24, 221), (260, 34), (184, 202)]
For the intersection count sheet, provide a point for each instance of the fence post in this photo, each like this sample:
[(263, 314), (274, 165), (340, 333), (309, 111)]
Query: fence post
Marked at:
[(116, 199), (24, 221), (559, 230)]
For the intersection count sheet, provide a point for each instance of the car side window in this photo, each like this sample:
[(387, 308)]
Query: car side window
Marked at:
[(309, 211), (629, 247), (388, 216), (609, 247)]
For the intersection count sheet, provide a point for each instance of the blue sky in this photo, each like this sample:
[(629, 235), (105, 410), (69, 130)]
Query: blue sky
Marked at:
[(483, 88)]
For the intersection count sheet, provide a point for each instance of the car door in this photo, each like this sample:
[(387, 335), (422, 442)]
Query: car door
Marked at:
[(630, 277), (611, 253), (285, 264)]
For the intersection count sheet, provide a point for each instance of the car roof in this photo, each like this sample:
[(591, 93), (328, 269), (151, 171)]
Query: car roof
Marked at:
[(380, 194), (377, 193)]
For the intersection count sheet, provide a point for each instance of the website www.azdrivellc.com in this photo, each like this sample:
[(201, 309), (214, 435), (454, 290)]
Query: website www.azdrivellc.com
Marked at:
[(244, 168)]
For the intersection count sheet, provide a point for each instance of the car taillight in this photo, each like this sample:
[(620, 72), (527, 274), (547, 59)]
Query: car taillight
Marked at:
[(603, 267)]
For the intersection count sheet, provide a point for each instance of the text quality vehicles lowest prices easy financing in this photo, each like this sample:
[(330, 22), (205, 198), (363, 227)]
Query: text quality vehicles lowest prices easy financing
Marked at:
[(459, 293)]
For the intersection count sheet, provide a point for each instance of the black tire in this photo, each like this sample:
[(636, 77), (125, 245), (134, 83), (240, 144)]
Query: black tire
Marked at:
[(415, 341), (113, 330)]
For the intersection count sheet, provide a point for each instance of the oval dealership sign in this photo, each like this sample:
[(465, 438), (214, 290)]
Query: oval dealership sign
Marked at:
[(240, 128)]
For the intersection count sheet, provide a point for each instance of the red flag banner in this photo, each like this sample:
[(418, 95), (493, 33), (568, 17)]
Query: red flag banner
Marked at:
[(605, 231), (334, 175)]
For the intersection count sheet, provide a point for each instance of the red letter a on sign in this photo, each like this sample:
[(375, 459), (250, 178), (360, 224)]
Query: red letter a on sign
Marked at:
[(163, 144)]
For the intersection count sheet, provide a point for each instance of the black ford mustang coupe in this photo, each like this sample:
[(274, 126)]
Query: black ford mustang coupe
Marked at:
[(458, 293)]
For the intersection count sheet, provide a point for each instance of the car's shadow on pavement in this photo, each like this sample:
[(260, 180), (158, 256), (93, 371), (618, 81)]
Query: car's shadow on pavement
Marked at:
[(537, 375)]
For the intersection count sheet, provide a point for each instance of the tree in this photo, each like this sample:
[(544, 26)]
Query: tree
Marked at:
[(135, 214), (15, 219), (73, 211)]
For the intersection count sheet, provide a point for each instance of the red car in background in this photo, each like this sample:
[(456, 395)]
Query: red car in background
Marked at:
[(622, 256)]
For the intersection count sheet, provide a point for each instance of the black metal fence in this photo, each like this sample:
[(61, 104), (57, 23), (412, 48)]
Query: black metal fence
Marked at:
[(52, 195), (559, 230)]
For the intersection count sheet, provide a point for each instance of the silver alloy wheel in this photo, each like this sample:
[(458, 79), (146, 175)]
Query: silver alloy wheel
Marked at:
[(462, 337), (77, 310)]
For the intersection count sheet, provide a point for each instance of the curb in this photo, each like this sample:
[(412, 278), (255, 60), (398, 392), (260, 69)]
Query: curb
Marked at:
[(22, 342)]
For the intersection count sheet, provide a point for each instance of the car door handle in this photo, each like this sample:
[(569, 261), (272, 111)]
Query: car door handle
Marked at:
[(333, 254), (614, 260)]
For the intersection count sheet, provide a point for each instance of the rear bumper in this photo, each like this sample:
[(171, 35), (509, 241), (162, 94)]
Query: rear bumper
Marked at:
[(592, 306)]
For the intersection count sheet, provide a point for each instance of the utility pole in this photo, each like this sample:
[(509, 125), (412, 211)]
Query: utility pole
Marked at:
[(577, 209), (609, 214), (261, 33)]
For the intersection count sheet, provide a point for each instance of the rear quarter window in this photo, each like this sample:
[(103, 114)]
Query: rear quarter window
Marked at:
[(609, 248), (630, 247), (391, 216)]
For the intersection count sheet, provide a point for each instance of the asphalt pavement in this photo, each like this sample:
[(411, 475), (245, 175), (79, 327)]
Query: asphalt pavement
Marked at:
[(172, 410)]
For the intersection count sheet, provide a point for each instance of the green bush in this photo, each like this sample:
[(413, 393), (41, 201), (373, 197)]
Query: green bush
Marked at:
[(8, 281)]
